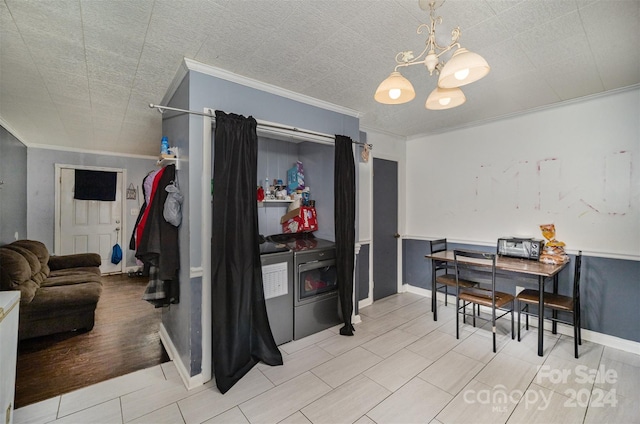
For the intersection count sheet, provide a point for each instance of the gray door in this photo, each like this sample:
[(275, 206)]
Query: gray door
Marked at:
[(385, 228)]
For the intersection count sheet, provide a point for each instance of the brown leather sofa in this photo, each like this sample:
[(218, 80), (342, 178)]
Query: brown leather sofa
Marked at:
[(57, 293)]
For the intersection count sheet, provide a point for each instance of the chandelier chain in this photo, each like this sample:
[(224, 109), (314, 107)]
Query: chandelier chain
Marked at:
[(407, 58)]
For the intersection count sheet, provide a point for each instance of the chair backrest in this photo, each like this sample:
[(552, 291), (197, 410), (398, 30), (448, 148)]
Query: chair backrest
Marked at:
[(436, 246), (439, 245), (479, 262), (576, 275)]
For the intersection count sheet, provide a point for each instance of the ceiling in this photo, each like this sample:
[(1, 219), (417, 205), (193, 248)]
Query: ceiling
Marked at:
[(81, 73)]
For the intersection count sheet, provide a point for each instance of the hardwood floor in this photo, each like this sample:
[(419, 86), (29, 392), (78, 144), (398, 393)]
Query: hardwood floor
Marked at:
[(124, 339)]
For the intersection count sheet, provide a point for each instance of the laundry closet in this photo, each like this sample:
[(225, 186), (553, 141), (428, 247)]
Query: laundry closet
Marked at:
[(197, 87)]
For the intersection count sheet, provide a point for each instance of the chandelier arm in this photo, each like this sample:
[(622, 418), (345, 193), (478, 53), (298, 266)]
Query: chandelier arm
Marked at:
[(403, 65), (448, 48), (414, 61)]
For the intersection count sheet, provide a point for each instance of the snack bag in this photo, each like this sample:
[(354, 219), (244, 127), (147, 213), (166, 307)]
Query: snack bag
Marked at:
[(553, 251), (295, 178)]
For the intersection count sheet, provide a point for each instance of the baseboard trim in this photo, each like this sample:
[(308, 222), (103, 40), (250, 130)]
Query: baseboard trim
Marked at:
[(364, 302), (190, 382), (567, 330)]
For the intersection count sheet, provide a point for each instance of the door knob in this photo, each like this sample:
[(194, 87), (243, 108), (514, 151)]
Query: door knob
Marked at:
[(396, 235)]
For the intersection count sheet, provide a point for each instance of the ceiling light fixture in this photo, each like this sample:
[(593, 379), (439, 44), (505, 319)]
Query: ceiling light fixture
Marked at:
[(464, 67)]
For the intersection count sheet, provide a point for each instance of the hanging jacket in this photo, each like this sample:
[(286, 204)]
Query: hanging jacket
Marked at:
[(158, 240), (153, 185), (147, 185)]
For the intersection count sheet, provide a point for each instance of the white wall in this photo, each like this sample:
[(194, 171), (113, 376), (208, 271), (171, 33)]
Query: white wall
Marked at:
[(574, 165)]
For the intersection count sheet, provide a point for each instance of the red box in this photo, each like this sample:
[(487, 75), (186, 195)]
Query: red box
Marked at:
[(300, 220)]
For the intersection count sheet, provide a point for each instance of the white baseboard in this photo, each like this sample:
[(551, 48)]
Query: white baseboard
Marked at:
[(419, 290), (190, 382), (595, 337), (588, 335), (364, 302)]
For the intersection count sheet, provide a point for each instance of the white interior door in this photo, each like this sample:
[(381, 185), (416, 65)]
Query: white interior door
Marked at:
[(91, 226)]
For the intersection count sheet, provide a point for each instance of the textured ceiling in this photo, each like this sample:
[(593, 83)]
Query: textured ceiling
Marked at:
[(81, 73)]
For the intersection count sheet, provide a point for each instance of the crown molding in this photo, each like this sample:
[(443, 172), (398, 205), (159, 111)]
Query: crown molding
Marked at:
[(13, 132), (192, 65), (368, 130), (89, 151)]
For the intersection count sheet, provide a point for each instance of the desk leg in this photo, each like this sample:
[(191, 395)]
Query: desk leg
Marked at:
[(554, 312), (541, 316), (434, 302)]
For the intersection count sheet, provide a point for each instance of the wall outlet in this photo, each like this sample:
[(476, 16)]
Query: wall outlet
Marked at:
[(519, 289), (134, 211)]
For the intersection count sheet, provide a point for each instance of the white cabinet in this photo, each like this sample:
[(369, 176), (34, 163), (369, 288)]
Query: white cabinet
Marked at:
[(9, 304)]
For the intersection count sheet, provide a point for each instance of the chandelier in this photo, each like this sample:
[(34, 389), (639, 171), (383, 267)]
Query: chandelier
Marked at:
[(464, 67)]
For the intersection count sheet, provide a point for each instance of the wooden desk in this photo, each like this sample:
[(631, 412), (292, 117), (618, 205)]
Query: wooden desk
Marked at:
[(506, 265)]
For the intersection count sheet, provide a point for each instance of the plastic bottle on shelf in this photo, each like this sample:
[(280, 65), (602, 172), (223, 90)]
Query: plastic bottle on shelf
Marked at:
[(266, 187), (164, 146)]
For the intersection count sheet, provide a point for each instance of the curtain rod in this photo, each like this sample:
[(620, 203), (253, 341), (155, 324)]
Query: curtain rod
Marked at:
[(263, 124)]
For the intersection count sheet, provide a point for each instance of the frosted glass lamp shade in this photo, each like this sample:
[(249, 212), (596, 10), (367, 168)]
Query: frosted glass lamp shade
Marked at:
[(445, 98), (395, 90), (463, 68)]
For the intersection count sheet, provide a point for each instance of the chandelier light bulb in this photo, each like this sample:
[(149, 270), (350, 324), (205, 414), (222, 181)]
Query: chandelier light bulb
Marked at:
[(461, 74), (445, 98), (395, 90), (463, 62)]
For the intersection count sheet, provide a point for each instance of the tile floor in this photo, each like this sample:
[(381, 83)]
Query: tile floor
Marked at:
[(400, 367)]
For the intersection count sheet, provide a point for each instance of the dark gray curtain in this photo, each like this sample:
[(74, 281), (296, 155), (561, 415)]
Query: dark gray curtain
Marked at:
[(345, 218), (241, 333)]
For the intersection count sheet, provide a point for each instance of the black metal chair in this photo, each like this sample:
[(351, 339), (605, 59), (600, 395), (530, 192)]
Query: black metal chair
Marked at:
[(444, 272), (556, 303), (485, 294)]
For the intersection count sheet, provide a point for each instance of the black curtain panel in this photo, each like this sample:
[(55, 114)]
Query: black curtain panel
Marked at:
[(95, 185), (241, 333), (345, 218)]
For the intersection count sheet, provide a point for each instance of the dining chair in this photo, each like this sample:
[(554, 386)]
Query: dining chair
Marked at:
[(556, 302), (444, 272), (485, 294)]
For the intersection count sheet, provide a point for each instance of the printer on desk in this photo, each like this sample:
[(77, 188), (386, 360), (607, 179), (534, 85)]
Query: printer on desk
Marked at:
[(518, 247)]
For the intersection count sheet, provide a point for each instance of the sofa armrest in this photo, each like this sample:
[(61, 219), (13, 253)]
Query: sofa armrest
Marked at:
[(74, 261)]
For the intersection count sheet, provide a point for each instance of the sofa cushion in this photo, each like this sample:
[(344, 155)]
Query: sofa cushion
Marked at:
[(37, 248), (37, 274), (58, 297), (68, 277), (77, 260), (94, 270), (15, 274)]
